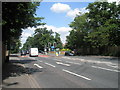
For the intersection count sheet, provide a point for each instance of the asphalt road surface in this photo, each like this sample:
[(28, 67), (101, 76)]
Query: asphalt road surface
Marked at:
[(73, 71)]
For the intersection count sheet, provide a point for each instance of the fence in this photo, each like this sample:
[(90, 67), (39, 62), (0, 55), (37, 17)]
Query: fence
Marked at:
[(108, 50)]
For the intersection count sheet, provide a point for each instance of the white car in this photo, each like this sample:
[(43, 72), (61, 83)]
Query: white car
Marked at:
[(33, 52)]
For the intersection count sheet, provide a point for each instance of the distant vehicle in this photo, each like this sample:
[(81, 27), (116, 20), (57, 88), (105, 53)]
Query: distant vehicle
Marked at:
[(27, 52), (23, 52), (69, 53), (33, 52)]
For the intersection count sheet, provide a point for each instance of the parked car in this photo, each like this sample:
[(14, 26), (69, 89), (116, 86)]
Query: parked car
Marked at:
[(23, 52), (69, 53), (27, 52)]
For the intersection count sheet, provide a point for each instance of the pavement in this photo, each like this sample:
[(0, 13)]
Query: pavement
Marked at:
[(16, 75)]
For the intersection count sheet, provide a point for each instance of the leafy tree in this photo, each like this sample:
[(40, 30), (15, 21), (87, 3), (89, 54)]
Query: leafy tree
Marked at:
[(76, 38), (103, 19), (99, 28), (15, 46), (17, 16), (42, 39), (58, 40)]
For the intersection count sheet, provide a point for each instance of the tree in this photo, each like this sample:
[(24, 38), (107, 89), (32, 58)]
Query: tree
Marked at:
[(58, 40), (99, 28), (42, 38), (104, 19), (15, 46), (17, 16), (79, 30)]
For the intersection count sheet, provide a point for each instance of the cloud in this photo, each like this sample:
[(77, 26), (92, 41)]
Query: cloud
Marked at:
[(26, 33), (59, 7), (76, 11), (117, 1)]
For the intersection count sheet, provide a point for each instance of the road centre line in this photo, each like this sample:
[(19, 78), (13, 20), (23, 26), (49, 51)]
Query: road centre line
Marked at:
[(50, 64), (62, 63), (105, 69), (76, 74), (38, 66)]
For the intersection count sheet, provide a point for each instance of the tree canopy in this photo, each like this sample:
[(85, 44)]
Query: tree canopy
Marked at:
[(43, 38), (97, 29), (17, 16)]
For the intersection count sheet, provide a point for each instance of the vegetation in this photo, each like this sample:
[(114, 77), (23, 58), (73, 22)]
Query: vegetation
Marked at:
[(98, 29), (43, 38), (17, 16)]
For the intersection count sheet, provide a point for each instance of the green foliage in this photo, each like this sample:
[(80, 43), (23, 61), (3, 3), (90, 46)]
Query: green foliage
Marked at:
[(15, 46), (99, 28), (17, 16), (43, 38), (65, 50)]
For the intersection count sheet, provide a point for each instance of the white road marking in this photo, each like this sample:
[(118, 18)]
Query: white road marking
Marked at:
[(40, 61), (38, 65), (105, 69), (76, 74), (113, 65), (50, 64), (73, 62), (62, 63), (57, 60), (89, 61), (32, 58)]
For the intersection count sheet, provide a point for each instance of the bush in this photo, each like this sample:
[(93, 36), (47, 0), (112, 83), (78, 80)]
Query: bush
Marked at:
[(65, 50)]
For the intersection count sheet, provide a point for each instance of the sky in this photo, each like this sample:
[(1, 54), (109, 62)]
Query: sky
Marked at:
[(57, 16)]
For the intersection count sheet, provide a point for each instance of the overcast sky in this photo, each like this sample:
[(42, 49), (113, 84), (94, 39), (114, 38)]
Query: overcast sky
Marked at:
[(57, 16)]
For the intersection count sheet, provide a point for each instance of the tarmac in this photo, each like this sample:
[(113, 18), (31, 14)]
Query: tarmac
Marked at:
[(15, 75)]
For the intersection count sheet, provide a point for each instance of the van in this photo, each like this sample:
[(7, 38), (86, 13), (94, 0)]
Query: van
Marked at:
[(33, 52)]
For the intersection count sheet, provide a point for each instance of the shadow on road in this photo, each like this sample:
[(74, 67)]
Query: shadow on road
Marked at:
[(15, 68)]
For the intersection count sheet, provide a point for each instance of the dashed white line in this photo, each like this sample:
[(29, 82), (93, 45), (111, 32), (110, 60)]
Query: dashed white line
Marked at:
[(76, 74), (49, 64), (105, 69), (62, 63), (38, 65)]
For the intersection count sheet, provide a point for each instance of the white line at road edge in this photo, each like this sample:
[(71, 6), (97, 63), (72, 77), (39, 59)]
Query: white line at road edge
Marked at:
[(57, 60), (38, 65), (62, 63), (50, 64), (105, 69), (111, 65), (76, 74)]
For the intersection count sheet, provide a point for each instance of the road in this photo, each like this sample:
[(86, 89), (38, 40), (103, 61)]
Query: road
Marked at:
[(73, 71)]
